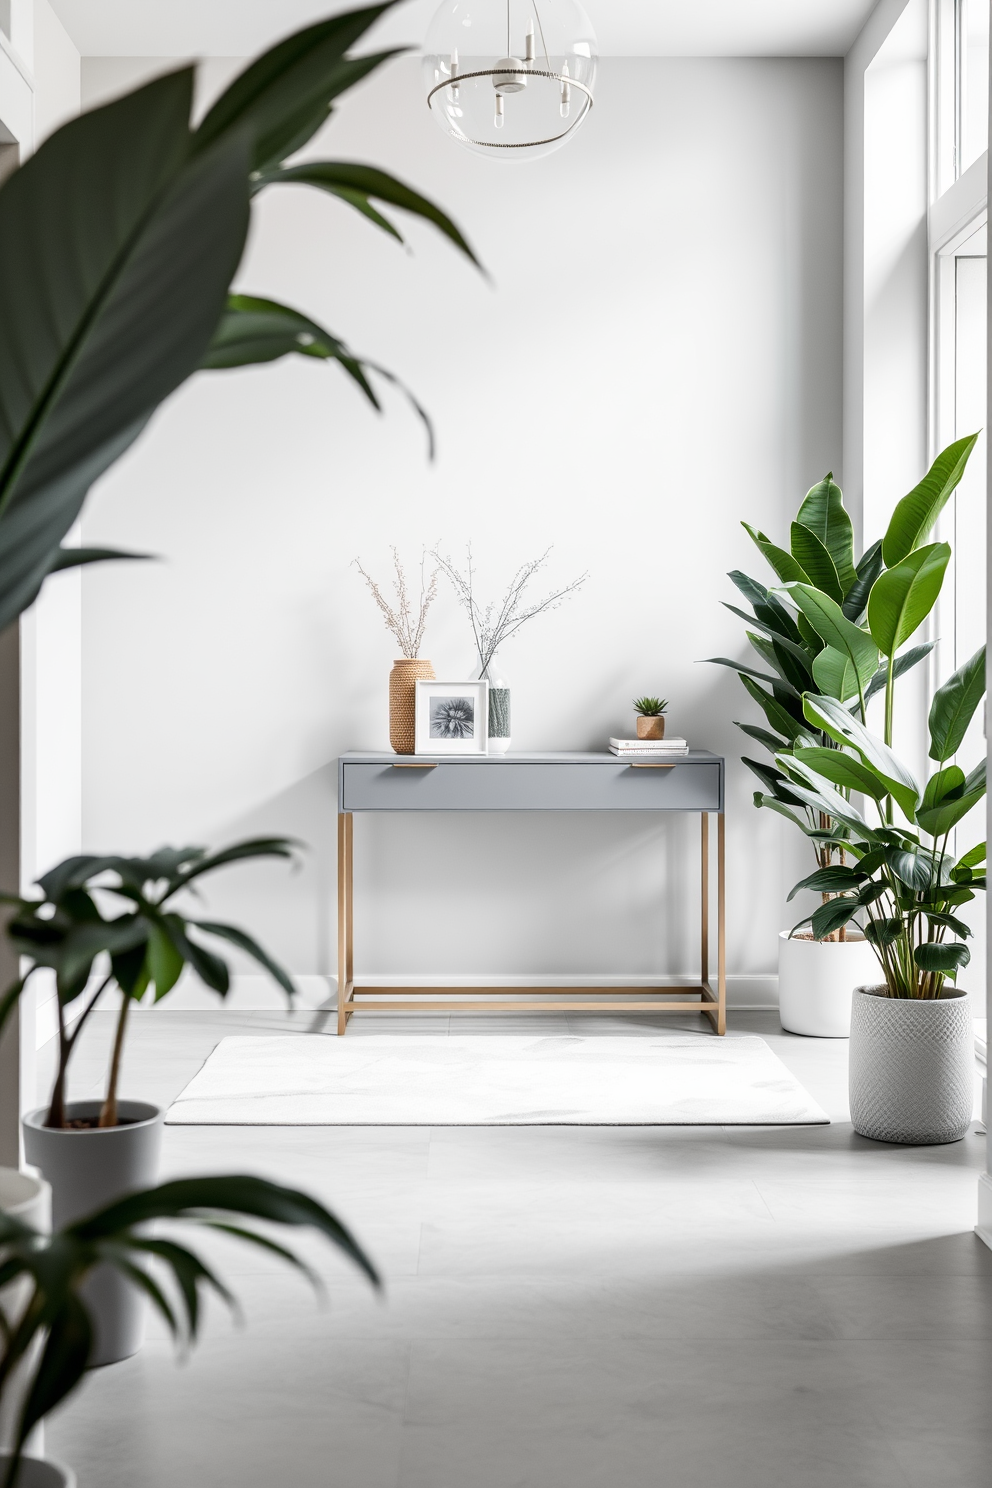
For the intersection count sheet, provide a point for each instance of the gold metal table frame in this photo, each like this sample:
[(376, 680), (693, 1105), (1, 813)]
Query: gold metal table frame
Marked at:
[(712, 1003)]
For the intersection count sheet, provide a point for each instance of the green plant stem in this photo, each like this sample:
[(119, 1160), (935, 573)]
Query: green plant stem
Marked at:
[(890, 694), (108, 1114), (56, 1107)]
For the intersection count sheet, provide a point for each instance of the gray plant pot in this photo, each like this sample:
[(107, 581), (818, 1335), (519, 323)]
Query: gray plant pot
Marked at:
[(88, 1169), (912, 1067), (38, 1472)]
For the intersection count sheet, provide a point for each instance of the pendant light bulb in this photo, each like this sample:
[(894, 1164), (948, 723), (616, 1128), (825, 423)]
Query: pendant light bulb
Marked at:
[(479, 53)]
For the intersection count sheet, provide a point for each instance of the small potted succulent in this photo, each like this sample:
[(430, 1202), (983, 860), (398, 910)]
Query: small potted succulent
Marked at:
[(106, 924), (650, 717), (47, 1329)]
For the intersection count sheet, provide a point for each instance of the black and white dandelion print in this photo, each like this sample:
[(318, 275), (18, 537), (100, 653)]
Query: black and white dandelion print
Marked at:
[(452, 718)]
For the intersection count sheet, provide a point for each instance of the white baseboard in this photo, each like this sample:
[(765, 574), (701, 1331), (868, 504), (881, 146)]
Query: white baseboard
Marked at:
[(745, 991), (983, 1228)]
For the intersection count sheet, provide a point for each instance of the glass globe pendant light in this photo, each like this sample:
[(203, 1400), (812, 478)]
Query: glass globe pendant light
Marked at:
[(510, 78)]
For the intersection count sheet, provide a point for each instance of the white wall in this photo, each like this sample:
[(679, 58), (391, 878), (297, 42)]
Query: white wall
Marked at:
[(658, 358)]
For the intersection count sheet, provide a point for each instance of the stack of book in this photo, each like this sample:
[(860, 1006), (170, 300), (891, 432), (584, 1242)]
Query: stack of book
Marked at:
[(661, 749)]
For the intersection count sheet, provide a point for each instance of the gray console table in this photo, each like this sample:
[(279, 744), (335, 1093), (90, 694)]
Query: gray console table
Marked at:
[(531, 782)]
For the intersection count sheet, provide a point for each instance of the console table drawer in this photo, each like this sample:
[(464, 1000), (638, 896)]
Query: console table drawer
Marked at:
[(497, 785)]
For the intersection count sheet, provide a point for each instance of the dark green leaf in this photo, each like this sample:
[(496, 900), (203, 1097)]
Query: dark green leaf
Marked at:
[(836, 631), (238, 852), (782, 562), (868, 571), (834, 880), (165, 963), (828, 714), (283, 97), (115, 256), (945, 783), (245, 943), (779, 718), (954, 706), (814, 560), (824, 513), (740, 667), (77, 557), (357, 183), (904, 663), (254, 330), (972, 857), (932, 956), (231, 1193), (903, 596), (752, 591), (63, 1363), (830, 916), (915, 870), (883, 932), (914, 516), (777, 806), (771, 742), (842, 769), (767, 618), (951, 922)]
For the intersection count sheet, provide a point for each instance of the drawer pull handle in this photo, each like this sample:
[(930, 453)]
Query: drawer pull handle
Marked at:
[(655, 765), (410, 765)]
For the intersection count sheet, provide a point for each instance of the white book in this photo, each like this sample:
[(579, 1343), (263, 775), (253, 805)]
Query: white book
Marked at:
[(648, 745), (655, 754)]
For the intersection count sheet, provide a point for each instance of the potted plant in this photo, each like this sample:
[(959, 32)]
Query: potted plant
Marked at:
[(106, 924), (48, 1332), (810, 636), (911, 1068), (650, 717)]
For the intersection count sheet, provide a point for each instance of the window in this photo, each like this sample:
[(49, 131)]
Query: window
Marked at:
[(958, 245)]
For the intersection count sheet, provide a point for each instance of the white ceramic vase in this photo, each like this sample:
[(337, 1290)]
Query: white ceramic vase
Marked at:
[(816, 982), (87, 1169), (30, 1199), (912, 1067)]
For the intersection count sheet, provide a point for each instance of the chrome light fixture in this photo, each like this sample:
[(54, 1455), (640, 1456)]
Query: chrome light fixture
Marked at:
[(510, 78)]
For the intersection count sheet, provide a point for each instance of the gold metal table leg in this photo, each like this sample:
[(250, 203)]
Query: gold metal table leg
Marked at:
[(346, 969)]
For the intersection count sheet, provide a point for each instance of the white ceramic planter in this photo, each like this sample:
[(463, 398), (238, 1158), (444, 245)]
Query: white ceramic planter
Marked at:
[(816, 982), (30, 1199), (38, 1472), (88, 1169), (912, 1067)]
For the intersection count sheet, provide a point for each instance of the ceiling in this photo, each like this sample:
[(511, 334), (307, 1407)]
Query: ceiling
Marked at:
[(647, 28)]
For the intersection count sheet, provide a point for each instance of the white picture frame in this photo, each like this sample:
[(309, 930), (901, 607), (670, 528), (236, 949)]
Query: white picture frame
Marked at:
[(452, 718)]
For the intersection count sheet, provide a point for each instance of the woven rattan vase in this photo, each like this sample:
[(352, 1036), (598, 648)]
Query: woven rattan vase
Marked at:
[(912, 1067), (402, 701)]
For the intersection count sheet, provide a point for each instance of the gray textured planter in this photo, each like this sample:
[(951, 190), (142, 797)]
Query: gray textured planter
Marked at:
[(912, 1067), (88, 1169)]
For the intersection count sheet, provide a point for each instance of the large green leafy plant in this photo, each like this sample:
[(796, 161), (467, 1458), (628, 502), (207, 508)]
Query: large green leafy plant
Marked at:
[(119, 240), (52, 1329), (105, 922), (838, 627), (902, 882)]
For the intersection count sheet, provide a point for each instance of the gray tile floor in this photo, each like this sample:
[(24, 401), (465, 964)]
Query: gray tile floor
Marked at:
[(568, 1307)]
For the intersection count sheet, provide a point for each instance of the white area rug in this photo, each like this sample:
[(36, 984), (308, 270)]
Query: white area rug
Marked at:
[(670, 1079)]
